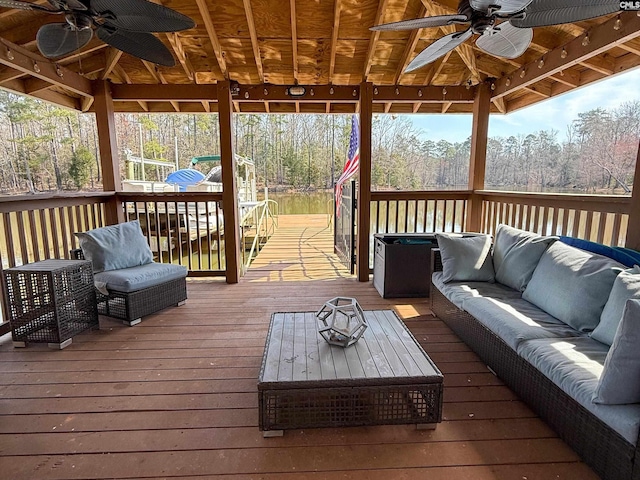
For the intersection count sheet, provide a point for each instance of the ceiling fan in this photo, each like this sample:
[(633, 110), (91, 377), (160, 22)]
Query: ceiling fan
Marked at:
[(504, 26), (123, 24)]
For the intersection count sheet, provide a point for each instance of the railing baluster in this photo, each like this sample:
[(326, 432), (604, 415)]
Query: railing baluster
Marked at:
[(615, 233), (219, 235), (55, 231), (24, 250), (444, 216), (8, 230), (602, 226), (554, 221), (35, 247), (44, 233), (588, 226)]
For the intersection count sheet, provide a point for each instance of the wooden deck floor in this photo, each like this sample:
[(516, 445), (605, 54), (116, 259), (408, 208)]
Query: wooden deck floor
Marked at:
[(175, 396)]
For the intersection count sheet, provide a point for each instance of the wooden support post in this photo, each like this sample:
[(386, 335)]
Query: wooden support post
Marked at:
[(477, 165), (364, 181), (229, 189), (633, 229), (109, 154)]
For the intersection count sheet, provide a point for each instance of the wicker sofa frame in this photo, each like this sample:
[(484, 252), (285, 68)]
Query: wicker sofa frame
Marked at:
[(606, 451), (130, 307)]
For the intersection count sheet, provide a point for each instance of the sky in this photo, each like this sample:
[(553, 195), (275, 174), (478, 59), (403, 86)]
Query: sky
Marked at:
[(555, 113)]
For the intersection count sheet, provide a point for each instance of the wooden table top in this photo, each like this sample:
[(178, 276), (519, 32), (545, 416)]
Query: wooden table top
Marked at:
[(297, 356)]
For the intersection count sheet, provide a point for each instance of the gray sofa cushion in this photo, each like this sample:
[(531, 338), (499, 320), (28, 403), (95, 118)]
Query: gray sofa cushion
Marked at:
[(143, 276), (572, 285), (116, 246), (620, 380), (575, 365), (516, 254), (625, 287), (466, 259), (516, 320), (458, 292)]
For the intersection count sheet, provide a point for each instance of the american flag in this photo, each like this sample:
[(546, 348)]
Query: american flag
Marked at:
[(353, 161)]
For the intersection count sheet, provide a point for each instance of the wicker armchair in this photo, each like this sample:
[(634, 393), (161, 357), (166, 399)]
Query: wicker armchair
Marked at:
[(130, 307)]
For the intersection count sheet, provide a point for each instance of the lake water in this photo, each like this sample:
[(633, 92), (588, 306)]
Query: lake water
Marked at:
[(301, 203)]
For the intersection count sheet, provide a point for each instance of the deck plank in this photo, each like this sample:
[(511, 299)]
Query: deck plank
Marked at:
[(176, 396)]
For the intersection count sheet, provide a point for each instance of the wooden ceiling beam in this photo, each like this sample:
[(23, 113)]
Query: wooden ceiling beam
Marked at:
[(570, 78), (213, 37), (294, 38), (157, 75), (407, 55), (254, 38), (7, 74), (37, 66), (58, 99), (500, 104), (601, 39), (603, 64), (164, 93), (373, 40), (113, 56), (178, 49), (334, 38), (118, 70), (410, 94)]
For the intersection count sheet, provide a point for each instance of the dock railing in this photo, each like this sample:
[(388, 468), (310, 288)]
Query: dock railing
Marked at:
[(256, 226)]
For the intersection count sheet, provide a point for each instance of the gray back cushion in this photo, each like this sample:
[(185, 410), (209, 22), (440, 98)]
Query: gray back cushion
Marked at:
[(620, 379), (626, 286), (116, 246), (466, 259), (516, 254), (572, 285)]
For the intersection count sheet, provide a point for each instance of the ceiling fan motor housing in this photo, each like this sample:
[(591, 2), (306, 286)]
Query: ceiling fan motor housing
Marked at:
[(79, 21)]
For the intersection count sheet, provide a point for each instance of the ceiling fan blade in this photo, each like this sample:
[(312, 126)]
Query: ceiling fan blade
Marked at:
[(505, 41), (65, 5), (59, 39), (426, 22), (17, 4), (500, 6), (542, 13), (139, 44), (141, 16), (437, 49)]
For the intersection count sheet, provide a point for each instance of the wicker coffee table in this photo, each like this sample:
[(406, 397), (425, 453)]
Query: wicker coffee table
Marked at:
[(385, 378)]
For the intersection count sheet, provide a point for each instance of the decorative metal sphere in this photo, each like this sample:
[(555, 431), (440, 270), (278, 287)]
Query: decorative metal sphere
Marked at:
[(341, 321)]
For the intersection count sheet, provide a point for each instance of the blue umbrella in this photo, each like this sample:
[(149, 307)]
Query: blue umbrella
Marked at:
[(185, 177)]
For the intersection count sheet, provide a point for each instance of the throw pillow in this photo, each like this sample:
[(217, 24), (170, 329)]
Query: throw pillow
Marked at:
[(466, 259), (626, 286), (619, 382), (116, 246), (516, 254), (572, 285)]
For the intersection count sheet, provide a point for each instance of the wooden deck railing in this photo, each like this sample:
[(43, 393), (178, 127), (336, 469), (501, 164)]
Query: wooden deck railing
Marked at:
[(40, 227), (182, 228), (598, 218), (415, 212)]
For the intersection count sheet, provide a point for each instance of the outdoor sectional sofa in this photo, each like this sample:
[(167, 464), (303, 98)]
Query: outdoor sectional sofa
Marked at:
[(557, 368)]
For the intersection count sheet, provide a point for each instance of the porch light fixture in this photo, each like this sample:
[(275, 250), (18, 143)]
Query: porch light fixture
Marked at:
[(296, 91), (523, 73), (10, 54), (508, 82), (341, 321), (36, 67), (586, 41), (541, 63), (564, 53)]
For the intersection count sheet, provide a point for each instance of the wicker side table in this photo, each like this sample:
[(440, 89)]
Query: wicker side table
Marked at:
[(50, 301)]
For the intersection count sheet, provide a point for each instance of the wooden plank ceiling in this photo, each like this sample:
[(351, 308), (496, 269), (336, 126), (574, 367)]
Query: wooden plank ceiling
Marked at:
[(265, 43)]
